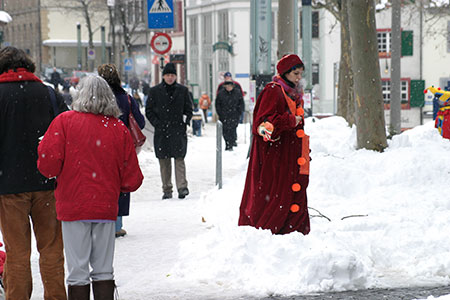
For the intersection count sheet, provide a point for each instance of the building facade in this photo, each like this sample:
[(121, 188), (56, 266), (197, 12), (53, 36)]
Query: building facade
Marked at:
[(48, 31), (218, 34)]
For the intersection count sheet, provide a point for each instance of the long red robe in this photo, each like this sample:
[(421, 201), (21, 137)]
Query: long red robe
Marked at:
[(273, 169)]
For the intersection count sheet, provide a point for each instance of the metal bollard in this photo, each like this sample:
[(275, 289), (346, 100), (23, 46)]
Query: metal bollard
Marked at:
[(219, 129)]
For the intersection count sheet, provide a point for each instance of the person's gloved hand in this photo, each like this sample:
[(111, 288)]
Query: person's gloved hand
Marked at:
[(265, 130)]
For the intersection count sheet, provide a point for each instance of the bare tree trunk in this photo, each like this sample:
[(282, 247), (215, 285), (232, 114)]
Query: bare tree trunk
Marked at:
[(112, 24), (371, 132), (395, 113), (285, 27), (125, 31), (346, 101), (90, 33)]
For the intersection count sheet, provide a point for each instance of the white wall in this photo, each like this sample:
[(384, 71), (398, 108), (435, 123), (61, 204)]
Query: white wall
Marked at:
[(63, 25), (329, 53), (241, 61), (436, 58)]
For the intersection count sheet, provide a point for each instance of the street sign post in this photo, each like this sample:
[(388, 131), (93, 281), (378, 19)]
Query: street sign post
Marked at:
[(91, 53), (128, 64), (160, 14), (161, 43)]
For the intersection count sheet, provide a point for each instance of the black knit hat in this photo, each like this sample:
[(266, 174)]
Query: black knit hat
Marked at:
[(169, 69)]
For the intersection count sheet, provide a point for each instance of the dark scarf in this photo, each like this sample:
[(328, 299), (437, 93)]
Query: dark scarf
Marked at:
[(117, 89), (170, 89), (294, 92), (21, 74)]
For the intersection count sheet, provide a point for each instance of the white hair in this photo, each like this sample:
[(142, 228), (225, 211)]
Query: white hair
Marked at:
[(95, 96)]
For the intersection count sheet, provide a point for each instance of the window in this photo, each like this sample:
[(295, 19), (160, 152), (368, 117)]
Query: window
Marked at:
[(315, 24), (384, 43), (178, 16), (404, 92), (207, 29), (448, 36), (130, 12), (193, 30), (139, 9), (315, 74), (134, 11), (223, 26), (272, 26)]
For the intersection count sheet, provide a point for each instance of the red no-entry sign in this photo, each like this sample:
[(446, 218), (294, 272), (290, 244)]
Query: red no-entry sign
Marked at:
[(161, 43)]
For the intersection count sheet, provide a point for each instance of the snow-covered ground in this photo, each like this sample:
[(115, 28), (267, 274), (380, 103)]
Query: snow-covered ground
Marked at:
[(384, 224)]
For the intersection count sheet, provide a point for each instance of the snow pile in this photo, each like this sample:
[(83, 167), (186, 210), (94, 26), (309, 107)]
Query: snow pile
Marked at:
[(384, 224)]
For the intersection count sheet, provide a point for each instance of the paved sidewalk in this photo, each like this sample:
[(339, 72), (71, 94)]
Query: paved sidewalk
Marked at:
[(375, 294)]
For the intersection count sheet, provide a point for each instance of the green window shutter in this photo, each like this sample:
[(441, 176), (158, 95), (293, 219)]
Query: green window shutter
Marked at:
[(407, 43), (417, 95)]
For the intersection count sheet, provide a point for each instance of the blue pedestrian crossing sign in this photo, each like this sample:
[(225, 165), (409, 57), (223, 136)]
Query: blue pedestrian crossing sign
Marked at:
[(128, 63), (160, 14)]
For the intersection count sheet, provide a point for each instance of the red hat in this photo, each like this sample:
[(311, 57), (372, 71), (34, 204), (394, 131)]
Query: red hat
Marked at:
[(287, 62)]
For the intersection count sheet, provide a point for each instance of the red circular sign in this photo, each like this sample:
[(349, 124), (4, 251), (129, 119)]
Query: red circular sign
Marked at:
[(161, 43)]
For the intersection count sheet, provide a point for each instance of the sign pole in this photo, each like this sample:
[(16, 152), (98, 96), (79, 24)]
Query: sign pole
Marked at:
[(161, 62)]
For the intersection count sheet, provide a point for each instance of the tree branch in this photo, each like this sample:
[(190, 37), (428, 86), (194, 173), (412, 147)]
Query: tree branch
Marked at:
[(319, 214), (353, 216)]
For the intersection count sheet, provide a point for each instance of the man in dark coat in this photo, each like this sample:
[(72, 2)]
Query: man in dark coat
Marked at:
[(229, 105), (26, 111), (169, 110), (55, 79)]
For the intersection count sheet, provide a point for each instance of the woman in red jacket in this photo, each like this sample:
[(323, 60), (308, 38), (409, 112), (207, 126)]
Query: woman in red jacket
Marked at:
[(91, 154), (278, 173)]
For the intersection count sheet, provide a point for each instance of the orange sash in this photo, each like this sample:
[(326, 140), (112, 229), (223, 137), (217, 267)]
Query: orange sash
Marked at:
[(291, 103)]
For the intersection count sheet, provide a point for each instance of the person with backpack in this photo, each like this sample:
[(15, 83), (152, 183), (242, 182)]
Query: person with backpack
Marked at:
[(27, 202), (205, 103)]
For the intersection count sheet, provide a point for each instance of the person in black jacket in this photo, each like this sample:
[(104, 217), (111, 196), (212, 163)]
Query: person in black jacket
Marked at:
[(26, 111), (169, 110), (145, 90), (111, 75), (55, 79), (229, 106)]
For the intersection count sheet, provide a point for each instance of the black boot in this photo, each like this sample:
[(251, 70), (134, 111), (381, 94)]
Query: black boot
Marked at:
[(79, 292), (103, 289), (182, 193), (167, 196)]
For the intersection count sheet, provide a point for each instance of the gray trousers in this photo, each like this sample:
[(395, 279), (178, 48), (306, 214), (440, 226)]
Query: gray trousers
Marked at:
[(165, 166), (88, 243)]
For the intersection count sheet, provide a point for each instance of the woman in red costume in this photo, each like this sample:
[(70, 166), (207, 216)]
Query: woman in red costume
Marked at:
[(278, 173)]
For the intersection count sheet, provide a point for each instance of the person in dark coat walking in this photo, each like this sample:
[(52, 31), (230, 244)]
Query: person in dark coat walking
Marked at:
[(26, 196), (229, 106), (111, 75), (278, 172), (145, 90), (169, 109), (55, 79)]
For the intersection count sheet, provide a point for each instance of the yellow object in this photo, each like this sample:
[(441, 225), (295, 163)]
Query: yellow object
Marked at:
[(442, 95)]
